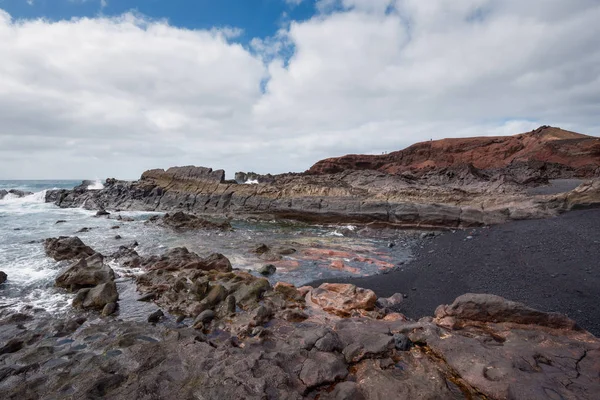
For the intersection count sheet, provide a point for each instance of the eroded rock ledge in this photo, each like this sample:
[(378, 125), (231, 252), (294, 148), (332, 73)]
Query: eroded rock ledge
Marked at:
[(246, 339), (462, 200)]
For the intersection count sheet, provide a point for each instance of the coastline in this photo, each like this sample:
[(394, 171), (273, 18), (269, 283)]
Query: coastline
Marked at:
[(549, 264)]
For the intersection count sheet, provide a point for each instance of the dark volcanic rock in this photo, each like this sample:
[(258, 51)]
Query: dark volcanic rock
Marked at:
[(3, 194), (86, 272), (182, 258), (67, 248), (3, 277), (20, 193), (184, 222), (268, 269), (97, 297)]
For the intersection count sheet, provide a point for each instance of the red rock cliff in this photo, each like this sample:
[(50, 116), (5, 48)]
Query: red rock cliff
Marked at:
[(546, 144)]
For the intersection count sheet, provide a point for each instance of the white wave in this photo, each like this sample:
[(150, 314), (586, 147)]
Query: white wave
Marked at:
[(97, 185), (251, 182), (35, 198)]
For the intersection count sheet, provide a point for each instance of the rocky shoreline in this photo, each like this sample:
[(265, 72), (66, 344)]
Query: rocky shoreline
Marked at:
[(216, 331), (239, 336)]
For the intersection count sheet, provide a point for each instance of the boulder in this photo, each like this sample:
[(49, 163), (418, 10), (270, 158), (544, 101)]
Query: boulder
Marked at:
[(102, 213), (342, 299), (3, 194), (268, 269), (67, 248), (98, 297), (3, 277), (495, 309), (86, 272), (390, 302)]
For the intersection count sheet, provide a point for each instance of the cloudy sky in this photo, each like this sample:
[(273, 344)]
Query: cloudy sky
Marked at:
[(103, 88)]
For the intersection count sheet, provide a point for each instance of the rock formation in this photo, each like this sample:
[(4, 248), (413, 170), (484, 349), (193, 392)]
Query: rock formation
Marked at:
[(67, 248), (3, 277), (446, 194), (181, 221), (564, 153)]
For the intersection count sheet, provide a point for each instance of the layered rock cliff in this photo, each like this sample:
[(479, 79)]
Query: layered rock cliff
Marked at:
[(467, 182)]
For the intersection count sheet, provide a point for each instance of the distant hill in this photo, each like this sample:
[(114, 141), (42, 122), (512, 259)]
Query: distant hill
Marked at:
[(576, 152)]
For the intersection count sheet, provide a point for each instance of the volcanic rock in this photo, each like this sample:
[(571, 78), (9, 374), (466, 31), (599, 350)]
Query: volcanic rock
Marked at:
[(97, 297), (67, 248), (268, 269), (3, 277), (552, 146), (185, 222), (343, 299), (86, 272)]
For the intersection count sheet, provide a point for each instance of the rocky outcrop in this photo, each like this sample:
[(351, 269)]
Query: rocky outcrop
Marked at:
[(67, 248), (3, 277), (84, 273), (188, 173), (98, 297), (359, 357), (253, 178), (565, 153), (182, 258), (181, 221), (452, 192), (15, 192)]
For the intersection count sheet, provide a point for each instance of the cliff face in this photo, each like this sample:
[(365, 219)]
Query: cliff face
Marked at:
[(574, 153)]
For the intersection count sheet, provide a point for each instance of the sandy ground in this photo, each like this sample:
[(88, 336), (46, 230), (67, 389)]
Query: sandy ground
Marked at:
[(551, 265)]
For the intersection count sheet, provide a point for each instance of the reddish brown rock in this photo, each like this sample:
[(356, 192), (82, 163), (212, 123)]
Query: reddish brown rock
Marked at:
[(575, 151), (342, 299)]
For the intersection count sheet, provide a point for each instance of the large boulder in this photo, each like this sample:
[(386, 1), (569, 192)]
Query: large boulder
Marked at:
[(3, 194), (342, 299), (20, 193), (98, 297), (86, 272), (495, 309), (67, 248), (3, 277)]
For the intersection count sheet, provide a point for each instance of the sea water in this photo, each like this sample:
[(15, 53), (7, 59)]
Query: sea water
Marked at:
[(25, 223)]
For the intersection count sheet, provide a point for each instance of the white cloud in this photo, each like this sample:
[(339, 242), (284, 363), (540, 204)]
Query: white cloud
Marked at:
[(115, 96)]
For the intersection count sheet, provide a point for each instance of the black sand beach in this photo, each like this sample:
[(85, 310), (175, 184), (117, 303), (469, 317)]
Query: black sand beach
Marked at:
[(551, 265)]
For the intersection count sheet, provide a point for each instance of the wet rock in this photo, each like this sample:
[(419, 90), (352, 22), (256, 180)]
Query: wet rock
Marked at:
[(98, 297), (86, 272), (84, 230), (181, 221), (3, 193), (261, 249), (3, 277), (102, 213), (109, 309), (20, 193), (115, 227), (118, 237), (343, 299), (67, 248), (156, 316), (12, 346), (60, 221), (204, 318), (267, 270), (147, 297)]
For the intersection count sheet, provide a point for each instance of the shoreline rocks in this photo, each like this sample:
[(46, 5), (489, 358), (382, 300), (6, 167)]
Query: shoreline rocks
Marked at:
[(67, 248), (3, 277)]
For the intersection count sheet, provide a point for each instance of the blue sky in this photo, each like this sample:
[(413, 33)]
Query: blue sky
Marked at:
[(257, 18)]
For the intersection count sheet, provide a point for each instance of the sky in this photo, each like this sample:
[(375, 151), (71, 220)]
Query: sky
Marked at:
[(109, 88)]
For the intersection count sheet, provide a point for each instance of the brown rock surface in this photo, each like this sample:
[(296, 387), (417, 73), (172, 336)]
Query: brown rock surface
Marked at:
[(580, 153), (342, 299)]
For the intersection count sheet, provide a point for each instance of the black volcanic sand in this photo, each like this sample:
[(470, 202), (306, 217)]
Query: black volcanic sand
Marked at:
[(551, 265)]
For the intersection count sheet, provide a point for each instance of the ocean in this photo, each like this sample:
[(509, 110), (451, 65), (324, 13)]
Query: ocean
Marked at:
[(323, 251)]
